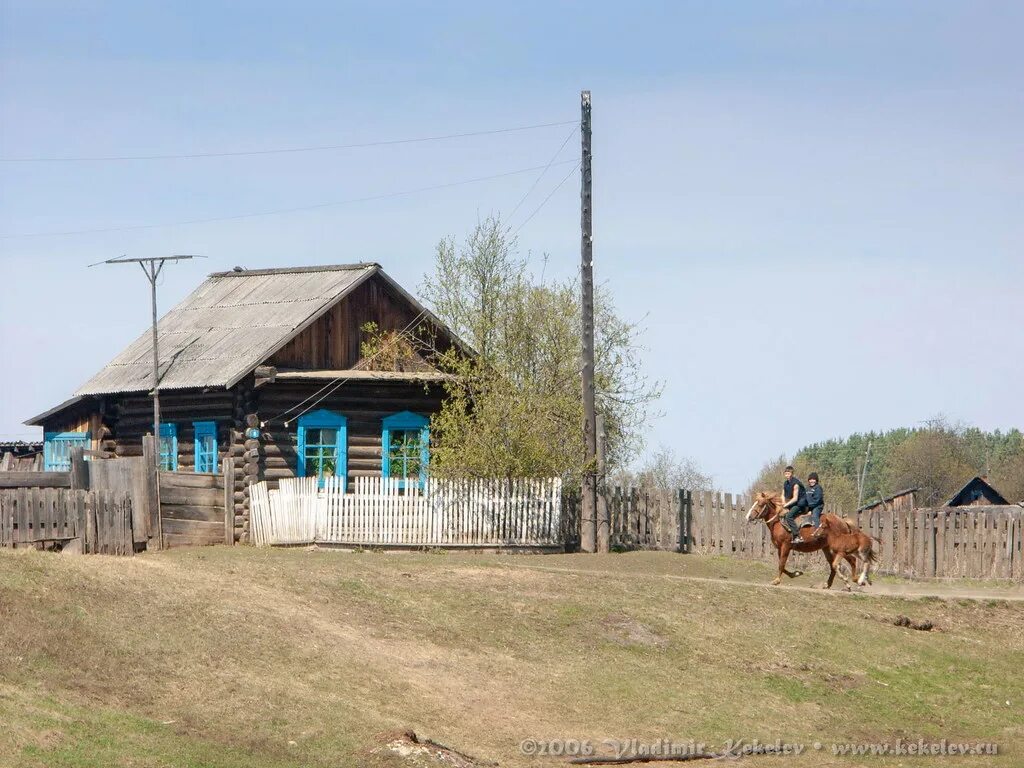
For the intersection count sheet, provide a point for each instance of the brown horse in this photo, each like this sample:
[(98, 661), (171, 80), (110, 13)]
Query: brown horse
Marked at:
[(768, 507), (848, 542)]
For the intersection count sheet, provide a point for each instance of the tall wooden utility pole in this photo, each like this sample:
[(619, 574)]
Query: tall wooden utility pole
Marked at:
[(588, 518), (152, 267), (604, 532)]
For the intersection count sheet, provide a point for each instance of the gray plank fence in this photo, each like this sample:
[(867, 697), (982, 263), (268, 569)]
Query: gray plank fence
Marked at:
[(969, 542), (89, 522)]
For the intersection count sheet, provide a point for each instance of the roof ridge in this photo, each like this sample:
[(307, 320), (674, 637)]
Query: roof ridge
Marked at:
[(296, 270)]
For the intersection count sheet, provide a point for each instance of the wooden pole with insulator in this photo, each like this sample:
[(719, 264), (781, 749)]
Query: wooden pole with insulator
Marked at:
[(588, 517)]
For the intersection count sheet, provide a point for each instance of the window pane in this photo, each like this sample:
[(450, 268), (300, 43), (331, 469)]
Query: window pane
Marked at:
[(321, 461), (405, 453)]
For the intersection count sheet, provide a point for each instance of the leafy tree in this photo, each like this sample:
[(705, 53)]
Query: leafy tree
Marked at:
[(937, 459), (665, 470), (514, 408)]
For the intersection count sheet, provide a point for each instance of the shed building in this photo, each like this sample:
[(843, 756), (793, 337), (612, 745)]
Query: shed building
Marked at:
[(977, 492)]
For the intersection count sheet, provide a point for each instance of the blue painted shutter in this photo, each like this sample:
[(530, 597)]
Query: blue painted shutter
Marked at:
[(169, 447), (206, 446)]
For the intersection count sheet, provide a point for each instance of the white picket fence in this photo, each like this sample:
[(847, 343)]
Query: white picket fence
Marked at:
[(379, 512)]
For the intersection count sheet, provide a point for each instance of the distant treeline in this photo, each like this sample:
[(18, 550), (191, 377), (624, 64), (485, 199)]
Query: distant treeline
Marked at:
[(938, 459)]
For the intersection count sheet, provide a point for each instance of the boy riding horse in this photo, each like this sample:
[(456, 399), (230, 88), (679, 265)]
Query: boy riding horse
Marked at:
[(799, 500), (794, 497)]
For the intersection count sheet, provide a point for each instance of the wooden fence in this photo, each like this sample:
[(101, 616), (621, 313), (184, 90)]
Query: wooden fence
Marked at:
[(89, 522), (983, 542), (197, 509), (380, 512), (972, 542)]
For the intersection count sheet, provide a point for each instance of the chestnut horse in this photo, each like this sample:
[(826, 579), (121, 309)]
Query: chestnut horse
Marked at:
[(847, 541), (768, 507)]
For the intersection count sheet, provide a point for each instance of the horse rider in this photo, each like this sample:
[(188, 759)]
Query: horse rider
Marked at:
[(794, 497), (815, 499)]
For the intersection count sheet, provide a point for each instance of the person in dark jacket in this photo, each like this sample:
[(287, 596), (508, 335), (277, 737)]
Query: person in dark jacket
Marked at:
[(794, 498), (815, 499)]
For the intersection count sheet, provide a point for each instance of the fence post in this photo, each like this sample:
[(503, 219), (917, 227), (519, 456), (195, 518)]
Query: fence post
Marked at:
[(150, 456), (684, 499), (228, 473), (79, 470)]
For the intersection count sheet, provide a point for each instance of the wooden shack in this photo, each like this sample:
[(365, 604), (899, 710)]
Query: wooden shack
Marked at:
[(21, 456), (977, 492), (896, 502), (266, 367)]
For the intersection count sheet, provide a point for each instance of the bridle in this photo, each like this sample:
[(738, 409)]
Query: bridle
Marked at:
[(761, 513)]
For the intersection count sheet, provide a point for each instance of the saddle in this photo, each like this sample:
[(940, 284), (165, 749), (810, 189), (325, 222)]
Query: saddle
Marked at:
[(804, 520)]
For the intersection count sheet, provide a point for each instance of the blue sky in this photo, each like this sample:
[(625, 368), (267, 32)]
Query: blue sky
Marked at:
[(815, 207)]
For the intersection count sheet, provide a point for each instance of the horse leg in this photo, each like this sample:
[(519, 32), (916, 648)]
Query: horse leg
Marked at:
[(852, 560), (865, 575), (783, 556), (831, 568), (836, 563)]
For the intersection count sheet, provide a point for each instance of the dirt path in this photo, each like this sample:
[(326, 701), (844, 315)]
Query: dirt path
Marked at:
[(878, 589)]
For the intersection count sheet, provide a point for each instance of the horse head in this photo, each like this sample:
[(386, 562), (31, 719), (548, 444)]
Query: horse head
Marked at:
[(765, 506)]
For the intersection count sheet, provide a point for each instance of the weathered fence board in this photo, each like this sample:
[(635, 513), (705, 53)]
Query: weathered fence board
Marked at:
[(35, 479), (194, 508), (381, 512), (96, 522)]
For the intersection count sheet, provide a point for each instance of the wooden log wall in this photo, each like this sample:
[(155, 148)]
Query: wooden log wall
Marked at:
[(364, 403), (130, 417)]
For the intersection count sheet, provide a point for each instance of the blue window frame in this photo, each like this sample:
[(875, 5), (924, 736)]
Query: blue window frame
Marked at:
[(405, 443), (169, 447), (323, 445), (206, 446), (57, 449)]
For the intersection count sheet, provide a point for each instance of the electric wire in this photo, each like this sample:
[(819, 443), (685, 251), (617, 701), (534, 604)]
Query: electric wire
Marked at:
[(339, 380), (541, 175), (282, 150), (550, 195), (280, 211)]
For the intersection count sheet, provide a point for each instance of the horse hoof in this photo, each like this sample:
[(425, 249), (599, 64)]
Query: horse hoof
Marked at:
[(776, 582)]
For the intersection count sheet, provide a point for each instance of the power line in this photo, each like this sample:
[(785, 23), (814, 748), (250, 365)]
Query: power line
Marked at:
[(541, 174), (235, 217), (280, 151), (550, 194)]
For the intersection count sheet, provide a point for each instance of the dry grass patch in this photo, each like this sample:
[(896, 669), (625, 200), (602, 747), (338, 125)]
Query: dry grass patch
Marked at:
[(289, 657)]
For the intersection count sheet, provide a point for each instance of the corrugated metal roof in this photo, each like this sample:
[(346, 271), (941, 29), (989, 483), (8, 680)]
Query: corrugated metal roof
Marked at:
[(228, 326)]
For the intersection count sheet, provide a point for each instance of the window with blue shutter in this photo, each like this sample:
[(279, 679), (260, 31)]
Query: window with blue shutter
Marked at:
[(169, 447), (206, 446), (323, 445), (405, 444), (57, 449)]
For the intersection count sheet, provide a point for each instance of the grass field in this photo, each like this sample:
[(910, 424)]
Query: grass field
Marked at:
[(243, 657)]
